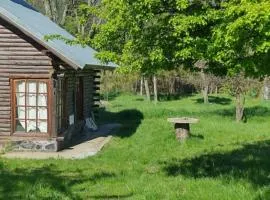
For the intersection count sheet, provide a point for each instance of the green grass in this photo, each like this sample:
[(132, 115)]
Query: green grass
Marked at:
[(222, 160)]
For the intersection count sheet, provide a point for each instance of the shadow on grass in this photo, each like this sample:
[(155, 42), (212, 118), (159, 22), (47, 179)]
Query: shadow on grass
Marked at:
[(31, 184), (129, 119), (111, 196), (48, 183), (215, 100), (251, 162), (172, 97), (198, 136)]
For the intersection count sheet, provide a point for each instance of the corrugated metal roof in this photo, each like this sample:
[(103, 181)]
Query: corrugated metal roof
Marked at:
[(37, 26)]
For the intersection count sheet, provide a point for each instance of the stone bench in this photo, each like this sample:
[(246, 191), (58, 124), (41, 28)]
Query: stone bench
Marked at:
[(181, 126)]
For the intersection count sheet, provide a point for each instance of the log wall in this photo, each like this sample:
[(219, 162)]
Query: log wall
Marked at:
[(19, 57)]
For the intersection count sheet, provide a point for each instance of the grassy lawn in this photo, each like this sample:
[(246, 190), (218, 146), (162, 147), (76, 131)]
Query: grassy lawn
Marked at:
[(222, 159)]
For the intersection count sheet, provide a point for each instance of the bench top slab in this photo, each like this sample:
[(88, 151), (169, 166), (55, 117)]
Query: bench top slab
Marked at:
[(183, 120)]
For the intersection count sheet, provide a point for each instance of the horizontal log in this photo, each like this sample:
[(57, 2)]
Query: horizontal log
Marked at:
[(25, 58), (35, 74), (4, 83), (26, 66), (4, 104), (24, 49), (5, 129), (20, 53), (10, 44), (26, 72), (12, 40), (97, 82), (4, 100), (4, 108), (4, 31), (4, 79), (5, 125), (4, 88), (4, 113), (4, 95), (4, 91), (8, 120), (8, 35), (26, 62), (5, 116)]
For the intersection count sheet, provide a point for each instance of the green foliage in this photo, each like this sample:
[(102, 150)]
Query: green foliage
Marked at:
[(241, 39), (136, 34)]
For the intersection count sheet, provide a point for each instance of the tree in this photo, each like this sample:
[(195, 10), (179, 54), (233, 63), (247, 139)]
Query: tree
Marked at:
[(241, 42), (232, 36), (136, 35)]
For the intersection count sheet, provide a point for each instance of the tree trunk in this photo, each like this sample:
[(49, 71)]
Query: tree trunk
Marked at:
[(205, 87), (64, 15), (172, 85), (48, 10), (141, 86), (155, 89), (55, 16), (240, 102), (147, 91), (205, 94)]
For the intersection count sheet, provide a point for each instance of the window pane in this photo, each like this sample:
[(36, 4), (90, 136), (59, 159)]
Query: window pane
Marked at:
[(31, 100), (42, 113), (20, 125), (20, 86), (42, 87), (42, 126), (20, 112), (31, 126), (20, 99), (31, 86), (31, 112), (42, 100)]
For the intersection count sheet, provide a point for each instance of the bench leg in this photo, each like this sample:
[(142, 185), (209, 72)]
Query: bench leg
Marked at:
[(182, 131)]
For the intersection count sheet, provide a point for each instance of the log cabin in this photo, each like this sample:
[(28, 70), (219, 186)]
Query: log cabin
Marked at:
[(48, 89)]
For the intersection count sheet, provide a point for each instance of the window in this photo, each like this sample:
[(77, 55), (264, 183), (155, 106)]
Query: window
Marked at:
[(31, 106)]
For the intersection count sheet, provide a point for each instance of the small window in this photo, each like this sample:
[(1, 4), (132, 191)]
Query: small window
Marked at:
[(31, 106)]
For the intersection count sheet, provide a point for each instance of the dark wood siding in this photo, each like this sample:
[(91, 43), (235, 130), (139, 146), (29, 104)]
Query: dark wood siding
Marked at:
[(19, 57)]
